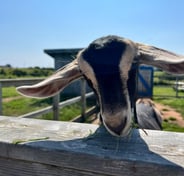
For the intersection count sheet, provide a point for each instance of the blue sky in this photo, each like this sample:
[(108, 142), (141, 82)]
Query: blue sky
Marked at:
[(27, 27)]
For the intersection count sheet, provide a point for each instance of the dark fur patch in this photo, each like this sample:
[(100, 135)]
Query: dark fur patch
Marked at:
[(104, 56)]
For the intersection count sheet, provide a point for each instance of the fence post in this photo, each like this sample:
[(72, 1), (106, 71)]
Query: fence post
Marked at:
[(1, 100), (56, 100), (177, 87), (83, 99)]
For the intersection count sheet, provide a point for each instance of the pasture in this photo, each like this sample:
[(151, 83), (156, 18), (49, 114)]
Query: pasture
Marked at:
[(15, 105)]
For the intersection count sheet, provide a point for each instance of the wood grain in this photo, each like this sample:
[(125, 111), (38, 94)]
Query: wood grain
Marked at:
[(40, 147)]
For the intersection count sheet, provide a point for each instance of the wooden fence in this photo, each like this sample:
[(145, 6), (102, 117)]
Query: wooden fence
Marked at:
[(42, 148), (15, 83), (163, 82), (57, 105), (171, 86)]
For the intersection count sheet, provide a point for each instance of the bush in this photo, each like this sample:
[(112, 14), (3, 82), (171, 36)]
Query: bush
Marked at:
[(9, 72), (40, 72), (2, 71), (19, 72)]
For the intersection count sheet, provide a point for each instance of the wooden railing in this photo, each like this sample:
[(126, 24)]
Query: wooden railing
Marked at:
[(57, 105), (40, 147), (60, 105)]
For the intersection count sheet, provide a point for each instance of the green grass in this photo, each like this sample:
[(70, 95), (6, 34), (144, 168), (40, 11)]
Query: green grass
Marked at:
[(172, 118), (9, 92), (176, 103), (24, 105), (167, 126), (165, 91), (66, 114), (20, 106)]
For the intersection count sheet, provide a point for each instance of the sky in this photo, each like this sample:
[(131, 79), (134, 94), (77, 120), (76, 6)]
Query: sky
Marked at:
[(27, 27)]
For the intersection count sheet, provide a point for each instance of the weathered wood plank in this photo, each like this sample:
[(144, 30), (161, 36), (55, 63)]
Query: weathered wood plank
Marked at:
[(22, 168), (85, 149)]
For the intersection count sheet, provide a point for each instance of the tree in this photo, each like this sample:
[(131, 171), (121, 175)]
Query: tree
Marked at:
[(8, 65), (2, 71), (19, 72)]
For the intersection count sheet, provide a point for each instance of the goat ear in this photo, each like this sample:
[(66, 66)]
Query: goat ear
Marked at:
[(163, 59), (54, 83)]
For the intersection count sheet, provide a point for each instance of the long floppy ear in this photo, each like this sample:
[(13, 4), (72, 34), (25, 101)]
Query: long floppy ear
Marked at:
[(53, 84), (166, 60)]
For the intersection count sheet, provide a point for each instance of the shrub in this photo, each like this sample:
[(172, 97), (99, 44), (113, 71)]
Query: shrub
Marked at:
[(19, 72)]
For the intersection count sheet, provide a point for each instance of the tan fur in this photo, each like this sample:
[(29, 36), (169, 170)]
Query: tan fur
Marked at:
[(54, 83), (135, 52)]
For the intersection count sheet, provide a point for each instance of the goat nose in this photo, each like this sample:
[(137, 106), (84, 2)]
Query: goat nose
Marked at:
[(116, 128)]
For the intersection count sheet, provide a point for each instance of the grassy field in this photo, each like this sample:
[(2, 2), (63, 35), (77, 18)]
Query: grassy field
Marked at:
[(167, 96), (9, 92), (166, 92), (15, 105), (167, 126)]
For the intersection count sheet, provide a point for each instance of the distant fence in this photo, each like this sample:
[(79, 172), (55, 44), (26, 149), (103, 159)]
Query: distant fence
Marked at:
[(57, 105), (167, 85)]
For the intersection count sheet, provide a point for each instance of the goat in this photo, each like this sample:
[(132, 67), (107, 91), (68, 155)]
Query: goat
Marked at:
[(106, 65), (148, 116)]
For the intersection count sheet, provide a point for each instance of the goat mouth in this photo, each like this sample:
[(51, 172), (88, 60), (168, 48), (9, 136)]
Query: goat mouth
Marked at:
[(122, 129)]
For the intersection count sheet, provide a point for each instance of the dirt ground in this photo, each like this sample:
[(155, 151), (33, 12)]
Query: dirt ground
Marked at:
[(11, 98), (167, 113), (170, 114)]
